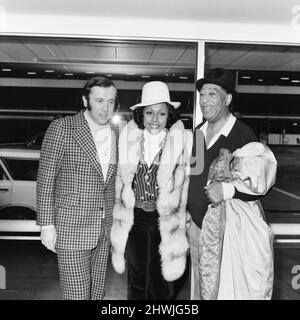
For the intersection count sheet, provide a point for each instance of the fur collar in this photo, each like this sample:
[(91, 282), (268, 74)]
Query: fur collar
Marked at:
[(130, 149)]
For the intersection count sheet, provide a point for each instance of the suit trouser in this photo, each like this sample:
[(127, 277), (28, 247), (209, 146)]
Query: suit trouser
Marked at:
[(82, 273), (194, 239), (145, 280)]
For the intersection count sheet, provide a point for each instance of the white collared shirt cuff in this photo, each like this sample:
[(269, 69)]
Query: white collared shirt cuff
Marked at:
[(48, 226), (228, 190)]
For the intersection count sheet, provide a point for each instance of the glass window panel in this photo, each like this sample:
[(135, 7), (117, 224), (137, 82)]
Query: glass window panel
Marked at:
[(22, 169)]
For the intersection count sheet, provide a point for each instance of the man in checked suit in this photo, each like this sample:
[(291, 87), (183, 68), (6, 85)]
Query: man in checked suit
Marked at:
[(76, 191)]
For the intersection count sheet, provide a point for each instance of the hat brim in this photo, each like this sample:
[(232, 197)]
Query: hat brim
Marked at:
[(150, 103), (228, 88)]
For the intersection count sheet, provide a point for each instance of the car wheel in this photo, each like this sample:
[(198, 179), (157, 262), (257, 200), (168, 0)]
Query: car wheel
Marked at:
[(17, 213)]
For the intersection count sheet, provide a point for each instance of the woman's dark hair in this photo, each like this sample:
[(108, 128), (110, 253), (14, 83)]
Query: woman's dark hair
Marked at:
[(98, 82), (138, 116)]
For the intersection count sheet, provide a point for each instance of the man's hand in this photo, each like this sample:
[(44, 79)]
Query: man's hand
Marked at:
[(214, 192), (48, 237)]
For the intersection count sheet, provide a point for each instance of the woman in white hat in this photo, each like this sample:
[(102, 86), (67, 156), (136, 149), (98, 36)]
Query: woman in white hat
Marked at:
[(151, 189)]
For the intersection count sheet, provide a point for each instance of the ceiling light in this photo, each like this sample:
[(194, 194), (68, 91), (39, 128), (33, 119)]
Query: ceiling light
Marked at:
[(116, 119), (145, 76), (183, 78), (260, 80), (284, 78), (296, 81), (246, 77), (6, 70), (90, 72), (295, 124), (31, 72), (109, 75), (49, 71), (130, 74), (69, 74)]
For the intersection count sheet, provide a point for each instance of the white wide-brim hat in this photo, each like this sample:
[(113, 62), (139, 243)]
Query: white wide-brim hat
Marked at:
[(155, 92)]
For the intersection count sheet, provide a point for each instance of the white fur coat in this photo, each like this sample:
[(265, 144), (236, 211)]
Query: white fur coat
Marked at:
[(172, 180)]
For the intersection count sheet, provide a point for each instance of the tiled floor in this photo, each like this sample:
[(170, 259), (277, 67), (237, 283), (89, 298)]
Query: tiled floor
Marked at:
[(32, 274)]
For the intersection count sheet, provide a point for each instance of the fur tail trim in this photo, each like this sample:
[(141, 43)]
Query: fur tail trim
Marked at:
[(174, 268), (118, 261), (122, 223)]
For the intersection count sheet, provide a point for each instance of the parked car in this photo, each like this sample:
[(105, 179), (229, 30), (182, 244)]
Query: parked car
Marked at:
[(18, 171), (36, 141)]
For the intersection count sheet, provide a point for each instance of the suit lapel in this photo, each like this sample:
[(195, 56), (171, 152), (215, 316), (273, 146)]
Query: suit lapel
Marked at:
[(83, 136)]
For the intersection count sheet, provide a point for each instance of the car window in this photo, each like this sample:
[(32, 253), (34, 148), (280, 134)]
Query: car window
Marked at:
[(3, 176), (21, 131), (21, 169), (36, 141), (39, 139)]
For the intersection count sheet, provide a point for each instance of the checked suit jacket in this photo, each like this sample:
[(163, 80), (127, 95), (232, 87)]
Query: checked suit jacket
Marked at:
[(71, 191)]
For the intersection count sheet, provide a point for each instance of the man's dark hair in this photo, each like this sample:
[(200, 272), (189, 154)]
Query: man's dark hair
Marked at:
[(233, 101), (138, 116), (98, 82)]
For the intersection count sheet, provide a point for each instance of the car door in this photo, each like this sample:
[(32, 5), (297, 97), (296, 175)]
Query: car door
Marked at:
[(5, 186)]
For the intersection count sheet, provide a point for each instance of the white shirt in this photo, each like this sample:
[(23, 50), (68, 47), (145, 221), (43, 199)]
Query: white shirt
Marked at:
[(228, 188), (224, 131), (103, 140), (152, 145)]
